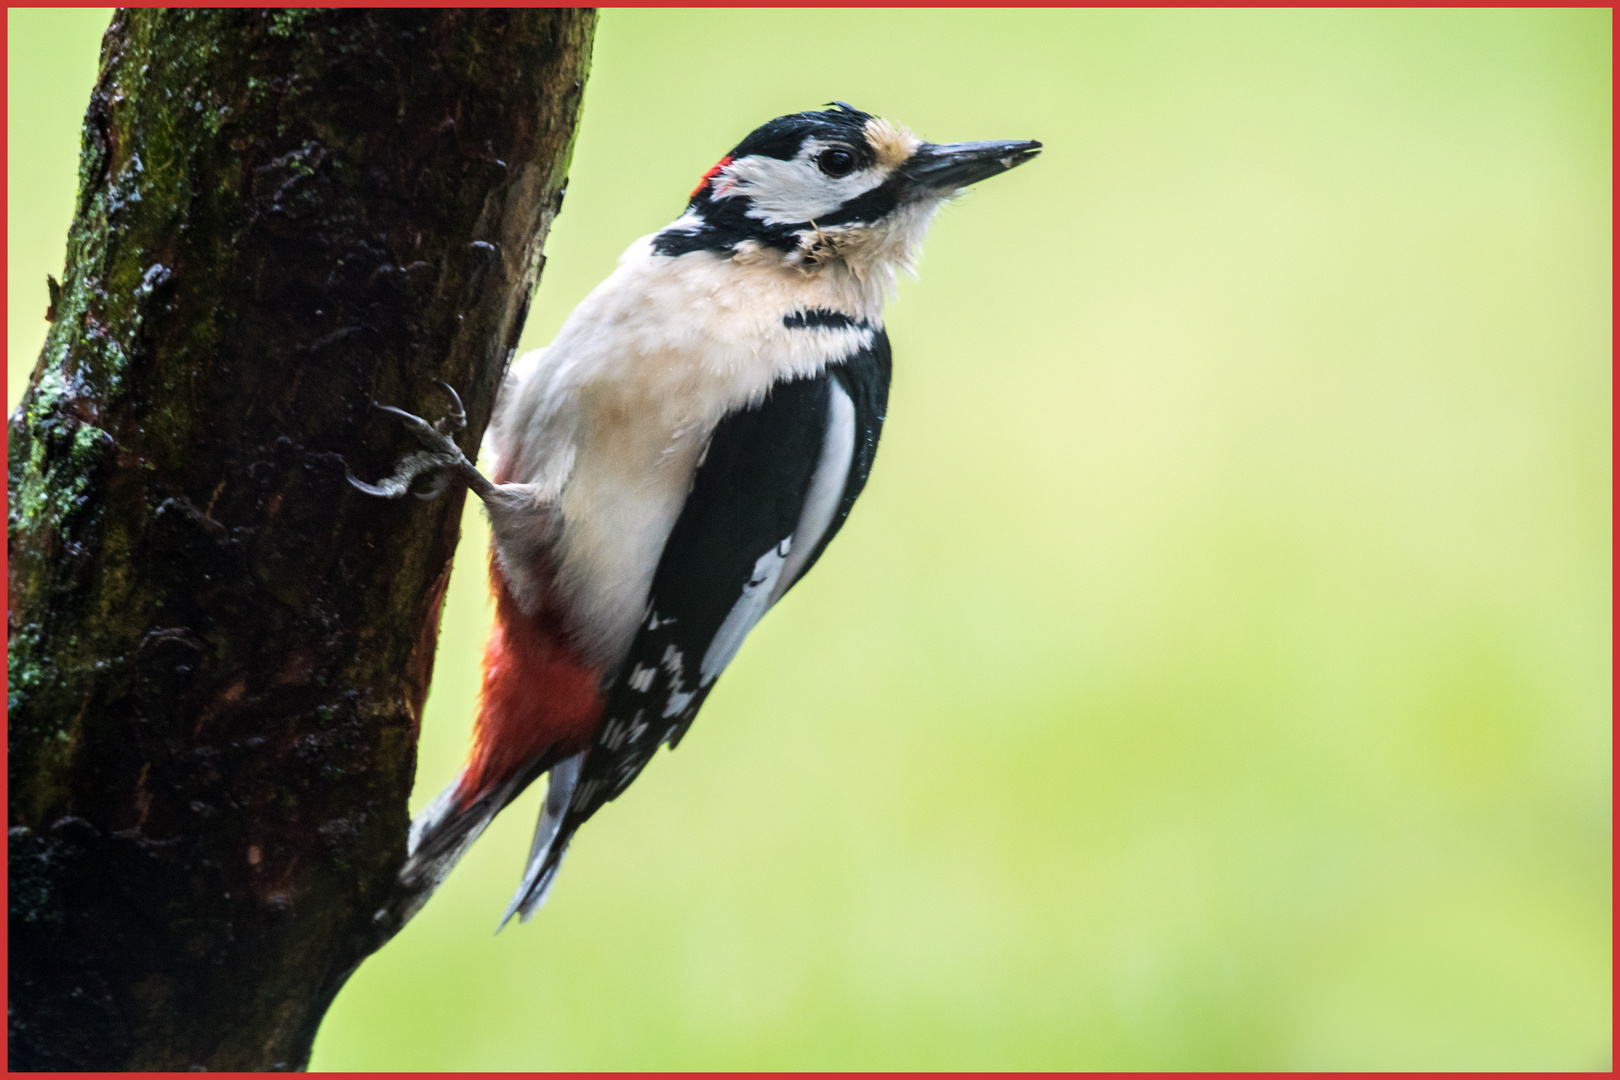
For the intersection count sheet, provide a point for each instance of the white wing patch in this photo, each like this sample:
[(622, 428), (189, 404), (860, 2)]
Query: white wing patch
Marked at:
[(679, 696), (775, 571), (749, 609), (826, 486), (641, 678)]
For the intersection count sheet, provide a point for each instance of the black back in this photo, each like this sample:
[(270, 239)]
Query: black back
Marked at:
[(746, 496)]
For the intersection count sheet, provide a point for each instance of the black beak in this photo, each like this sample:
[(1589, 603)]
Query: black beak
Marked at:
[(937, 169)]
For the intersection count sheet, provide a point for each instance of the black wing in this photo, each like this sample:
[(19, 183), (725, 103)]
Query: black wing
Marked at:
[(773, 487)]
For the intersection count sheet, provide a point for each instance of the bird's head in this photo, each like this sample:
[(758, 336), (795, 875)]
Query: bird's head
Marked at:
[(838, 187)]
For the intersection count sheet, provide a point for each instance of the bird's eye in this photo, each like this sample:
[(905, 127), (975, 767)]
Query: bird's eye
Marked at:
[(836, 162)]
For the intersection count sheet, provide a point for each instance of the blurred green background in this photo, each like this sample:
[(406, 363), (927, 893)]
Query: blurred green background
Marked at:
[(1216, 672)]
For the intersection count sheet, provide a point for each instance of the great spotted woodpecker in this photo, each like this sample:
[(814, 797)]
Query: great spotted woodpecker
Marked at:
[(676, 460)]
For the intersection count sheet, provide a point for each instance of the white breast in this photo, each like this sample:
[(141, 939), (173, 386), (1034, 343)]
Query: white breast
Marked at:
[(608, 422)]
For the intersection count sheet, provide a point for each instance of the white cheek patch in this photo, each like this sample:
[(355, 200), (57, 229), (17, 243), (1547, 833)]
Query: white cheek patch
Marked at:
[(790, 192)]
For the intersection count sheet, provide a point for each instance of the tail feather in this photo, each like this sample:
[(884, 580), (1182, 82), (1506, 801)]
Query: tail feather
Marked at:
[(549, 847), (441, 834)]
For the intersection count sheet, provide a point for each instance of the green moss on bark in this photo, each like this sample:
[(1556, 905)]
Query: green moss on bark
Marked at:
[(217, 651)]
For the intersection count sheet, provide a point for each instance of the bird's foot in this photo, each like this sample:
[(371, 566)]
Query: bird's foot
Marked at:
[(440, 457)]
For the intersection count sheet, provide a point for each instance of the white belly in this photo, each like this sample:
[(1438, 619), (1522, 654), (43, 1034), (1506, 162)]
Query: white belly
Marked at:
[(609, 422)]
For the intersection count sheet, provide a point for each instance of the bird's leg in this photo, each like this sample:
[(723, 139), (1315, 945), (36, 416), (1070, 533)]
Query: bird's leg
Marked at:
[(440, 456)]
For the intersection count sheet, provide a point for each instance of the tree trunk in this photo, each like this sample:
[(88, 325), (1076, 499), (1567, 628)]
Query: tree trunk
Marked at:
[(218, 649)]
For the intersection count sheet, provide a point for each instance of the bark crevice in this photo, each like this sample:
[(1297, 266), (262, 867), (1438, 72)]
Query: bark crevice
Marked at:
[(218, 650)]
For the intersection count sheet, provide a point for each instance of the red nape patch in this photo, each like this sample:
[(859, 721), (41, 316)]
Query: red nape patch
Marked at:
[(722, 163), (539, 700)]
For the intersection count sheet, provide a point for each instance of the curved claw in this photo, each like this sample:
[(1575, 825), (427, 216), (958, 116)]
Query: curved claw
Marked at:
[(457, 416), (412, 421), (441, 456), (412, 466), (387, 490)]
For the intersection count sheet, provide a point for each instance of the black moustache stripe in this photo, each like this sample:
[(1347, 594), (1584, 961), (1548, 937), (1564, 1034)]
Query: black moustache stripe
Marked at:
[(822, 317)]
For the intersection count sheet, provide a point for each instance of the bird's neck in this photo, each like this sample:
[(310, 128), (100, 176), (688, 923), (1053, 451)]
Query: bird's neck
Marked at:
[(847, 268)]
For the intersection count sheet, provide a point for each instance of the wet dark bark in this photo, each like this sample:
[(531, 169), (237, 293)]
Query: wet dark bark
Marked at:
[(218, 650)]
